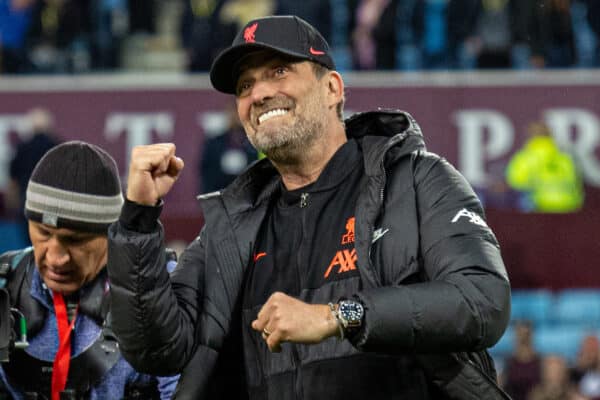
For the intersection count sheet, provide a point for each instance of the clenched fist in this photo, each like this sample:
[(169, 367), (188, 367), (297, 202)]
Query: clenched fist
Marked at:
[(286, 319), (152, 172)]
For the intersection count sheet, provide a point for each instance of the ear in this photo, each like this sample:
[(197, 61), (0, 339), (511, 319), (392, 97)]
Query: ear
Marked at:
[(335, 87)]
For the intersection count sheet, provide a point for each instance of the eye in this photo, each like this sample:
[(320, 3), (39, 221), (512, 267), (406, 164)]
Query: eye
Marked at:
[(280, 70), (70, 240), (76, 240), (43, 232), (243, 88)]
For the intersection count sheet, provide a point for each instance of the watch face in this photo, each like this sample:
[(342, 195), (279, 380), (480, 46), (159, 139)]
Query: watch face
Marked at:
[(352, 312)]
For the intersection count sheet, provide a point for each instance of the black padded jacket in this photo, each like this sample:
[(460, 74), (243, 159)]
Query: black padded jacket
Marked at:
[(459, 306)]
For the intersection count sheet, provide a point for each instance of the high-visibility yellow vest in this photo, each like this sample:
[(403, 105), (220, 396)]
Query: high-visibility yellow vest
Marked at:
[(548, 175)]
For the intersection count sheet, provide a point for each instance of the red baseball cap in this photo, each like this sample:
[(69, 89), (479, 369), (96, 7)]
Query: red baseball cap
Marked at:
[(286, 34)]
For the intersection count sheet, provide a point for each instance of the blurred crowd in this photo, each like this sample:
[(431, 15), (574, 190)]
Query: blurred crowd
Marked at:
[(78, 36), (529, 375)]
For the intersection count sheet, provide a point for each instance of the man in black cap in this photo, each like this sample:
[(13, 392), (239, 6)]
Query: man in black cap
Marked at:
[(349, 264), (60, 286)]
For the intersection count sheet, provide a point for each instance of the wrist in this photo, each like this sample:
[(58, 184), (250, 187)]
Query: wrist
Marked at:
[(337, 329), (139, 218)]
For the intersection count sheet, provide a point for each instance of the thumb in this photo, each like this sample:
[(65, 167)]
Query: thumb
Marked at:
[(175, 166)]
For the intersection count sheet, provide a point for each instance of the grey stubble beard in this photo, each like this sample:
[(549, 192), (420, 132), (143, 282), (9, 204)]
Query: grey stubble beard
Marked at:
[(290, 143)]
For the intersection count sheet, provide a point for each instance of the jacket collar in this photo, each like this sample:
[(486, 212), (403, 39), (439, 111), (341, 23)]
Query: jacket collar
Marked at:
[(343, 162), (382, 134)]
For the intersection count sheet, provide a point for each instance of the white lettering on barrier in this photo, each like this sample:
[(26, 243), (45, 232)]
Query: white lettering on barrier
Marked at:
[(577, 131), (483, 135), (138, 128)]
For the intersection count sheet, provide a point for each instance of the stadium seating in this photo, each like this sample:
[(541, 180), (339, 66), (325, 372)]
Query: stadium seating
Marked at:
[(532, 305), (559, 339), (560, 320), (578, 307)]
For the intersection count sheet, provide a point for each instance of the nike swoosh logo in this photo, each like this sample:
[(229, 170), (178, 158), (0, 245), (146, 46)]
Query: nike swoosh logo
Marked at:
[(259, 256), (315, 52), (378, 234)]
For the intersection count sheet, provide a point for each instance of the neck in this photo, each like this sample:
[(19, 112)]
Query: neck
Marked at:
[(307, 168)]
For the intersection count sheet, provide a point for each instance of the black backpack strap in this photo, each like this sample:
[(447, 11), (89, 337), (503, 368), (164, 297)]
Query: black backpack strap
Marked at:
[(88, 368), (9, 262), (5, 325), (33, 375)]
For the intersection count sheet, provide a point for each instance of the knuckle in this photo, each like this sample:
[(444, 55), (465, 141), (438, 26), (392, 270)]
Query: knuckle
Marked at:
[(277, 295)]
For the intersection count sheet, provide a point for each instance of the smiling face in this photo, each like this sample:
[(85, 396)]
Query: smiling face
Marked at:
[(282, 105), (67, 259)]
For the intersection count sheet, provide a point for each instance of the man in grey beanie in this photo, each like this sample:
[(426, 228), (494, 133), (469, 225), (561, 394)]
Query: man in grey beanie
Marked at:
[(60, 286)]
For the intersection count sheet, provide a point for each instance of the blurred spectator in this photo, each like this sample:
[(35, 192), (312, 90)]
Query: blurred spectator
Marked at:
[(462, 20), (60, 36), (238, 12), (584, 36), (225, 156), (434, 45), (522, 12), (589, 386), (36, 142), (110, 24), (588, 359), (547, 176), (15, 19), (142, 16), (208, 26), (593, 17), (554, 383), (522, 368), (315, 12), (586, 373), (373, 34), (553, 44), (496, 193), (202, 34), (78, 36), (493, 40), (409, 28)]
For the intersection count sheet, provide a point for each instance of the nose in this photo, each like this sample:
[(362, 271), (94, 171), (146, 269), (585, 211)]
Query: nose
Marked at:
[(262, 90), (56, 254)]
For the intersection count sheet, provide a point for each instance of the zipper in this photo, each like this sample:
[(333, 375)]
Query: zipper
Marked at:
[(295, 357), (303, 200), (381, 198), (298, 392)]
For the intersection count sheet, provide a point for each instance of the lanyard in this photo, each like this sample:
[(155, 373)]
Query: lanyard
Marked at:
[(60, 368)]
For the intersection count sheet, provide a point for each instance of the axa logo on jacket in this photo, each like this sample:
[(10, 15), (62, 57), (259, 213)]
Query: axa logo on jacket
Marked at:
[(344, 260)]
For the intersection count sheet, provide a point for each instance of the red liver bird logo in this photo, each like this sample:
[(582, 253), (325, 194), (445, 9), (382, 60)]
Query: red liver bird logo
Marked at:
[(249, 33)]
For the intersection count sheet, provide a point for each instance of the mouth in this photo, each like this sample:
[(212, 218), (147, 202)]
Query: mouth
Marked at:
[(277, 112), (57, 275)]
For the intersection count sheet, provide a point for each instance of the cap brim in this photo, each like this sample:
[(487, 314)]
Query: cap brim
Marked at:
[(223, 72)]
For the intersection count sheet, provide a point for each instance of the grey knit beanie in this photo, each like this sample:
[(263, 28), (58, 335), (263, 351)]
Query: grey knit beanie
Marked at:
[(76, 186)]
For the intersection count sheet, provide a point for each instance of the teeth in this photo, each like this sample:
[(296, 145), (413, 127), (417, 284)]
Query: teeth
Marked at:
[(271, 114)]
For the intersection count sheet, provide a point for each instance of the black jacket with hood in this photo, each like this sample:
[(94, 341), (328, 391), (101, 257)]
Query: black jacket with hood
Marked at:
[(438, 291)]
